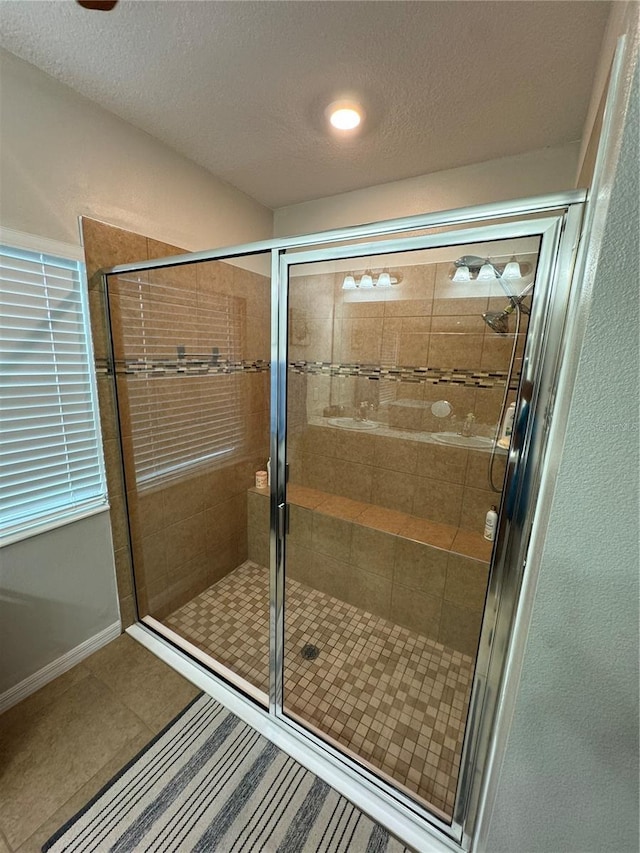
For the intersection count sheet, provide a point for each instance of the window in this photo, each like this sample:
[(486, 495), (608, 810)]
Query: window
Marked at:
[(51, 462)]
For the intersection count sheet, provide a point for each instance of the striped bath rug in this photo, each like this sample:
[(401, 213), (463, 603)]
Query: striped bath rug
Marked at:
[(210, 782)]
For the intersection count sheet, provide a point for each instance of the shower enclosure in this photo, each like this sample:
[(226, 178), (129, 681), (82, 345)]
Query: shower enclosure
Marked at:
[(356, 598)]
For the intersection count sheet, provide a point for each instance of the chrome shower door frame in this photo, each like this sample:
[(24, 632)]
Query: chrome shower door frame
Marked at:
[(558, 236), (559, 231)]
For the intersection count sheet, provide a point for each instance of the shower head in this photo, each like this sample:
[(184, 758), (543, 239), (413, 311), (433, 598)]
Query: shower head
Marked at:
[(498, 321)]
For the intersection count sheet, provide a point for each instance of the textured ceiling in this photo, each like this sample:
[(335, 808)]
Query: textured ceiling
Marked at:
[(240, 87)]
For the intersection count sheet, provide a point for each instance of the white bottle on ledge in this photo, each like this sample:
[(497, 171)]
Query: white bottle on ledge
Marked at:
[(490, 524)]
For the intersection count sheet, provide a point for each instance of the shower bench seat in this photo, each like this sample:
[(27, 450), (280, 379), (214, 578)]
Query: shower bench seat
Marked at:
[(424, 575), (458, 540)]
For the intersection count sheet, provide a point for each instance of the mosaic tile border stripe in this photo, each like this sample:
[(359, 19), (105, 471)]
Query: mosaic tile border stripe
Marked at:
[(200, 367), (425, 375), (180, 367)]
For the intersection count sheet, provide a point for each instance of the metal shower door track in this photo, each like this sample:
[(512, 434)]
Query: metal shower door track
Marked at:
[(457, 216)]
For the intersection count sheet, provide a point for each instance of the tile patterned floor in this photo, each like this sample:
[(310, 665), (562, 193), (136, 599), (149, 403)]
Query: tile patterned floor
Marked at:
[(395, 698)]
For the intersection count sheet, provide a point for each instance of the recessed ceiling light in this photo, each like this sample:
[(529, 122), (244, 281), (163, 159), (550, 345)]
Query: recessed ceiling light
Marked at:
[(344, 115)]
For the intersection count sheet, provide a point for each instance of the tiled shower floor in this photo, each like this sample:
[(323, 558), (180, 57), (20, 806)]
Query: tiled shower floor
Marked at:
[(393, 697)]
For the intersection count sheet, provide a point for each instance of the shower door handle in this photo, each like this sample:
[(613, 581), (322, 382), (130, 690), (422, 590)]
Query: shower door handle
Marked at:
[(283, 519)]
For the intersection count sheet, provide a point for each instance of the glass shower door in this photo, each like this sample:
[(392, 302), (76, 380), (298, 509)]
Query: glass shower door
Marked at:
[(192, 354), (400, 369)]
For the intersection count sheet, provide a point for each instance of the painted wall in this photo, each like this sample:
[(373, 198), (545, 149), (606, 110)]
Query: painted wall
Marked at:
[(63, 156), (535, 173), (570, 775), (57, 590)]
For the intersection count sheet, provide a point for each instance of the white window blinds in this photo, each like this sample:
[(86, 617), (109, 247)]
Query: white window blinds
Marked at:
[(182, 363), (50, 452)]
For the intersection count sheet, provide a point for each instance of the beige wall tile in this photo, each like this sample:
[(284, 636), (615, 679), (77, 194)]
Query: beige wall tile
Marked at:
[(310, 339), (381, 518), (258, 547), (303, 496), (496, 351), (313, 295), (332, 537), (330, 576), (416, 610), (471, 543), (228, 520), (218, 564), (185, 540), (146, 509), (124, 574), (413, 349), (438, 500), (127, 611), (213, 279), (475, 505), (299, 564), (150, 560), (349, 310), (406, 307), (182, 498), (361, 340), (352, 447), (113, 466), (450, 306), (393, 489), (431, 532), (106, 246), (319, 472), (409, 391), (300, 527), (396, 454), (371, 592), (466, 582), (373, 550), (342, 507), (119, 526), (420, 567), (460, 628), (402, 416), (488, 404), (441, 463), (467, 324), (352, 480), (455, 351), (99, 336), (477, 474)]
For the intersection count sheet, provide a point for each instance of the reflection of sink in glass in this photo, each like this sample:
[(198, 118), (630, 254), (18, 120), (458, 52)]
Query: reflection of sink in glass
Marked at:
[(478, 442), (352, 423)]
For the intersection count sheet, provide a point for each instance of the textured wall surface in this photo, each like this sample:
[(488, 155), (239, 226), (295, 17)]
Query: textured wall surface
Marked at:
[(57, 590), (64, 156), (547, 171), (570, 776)]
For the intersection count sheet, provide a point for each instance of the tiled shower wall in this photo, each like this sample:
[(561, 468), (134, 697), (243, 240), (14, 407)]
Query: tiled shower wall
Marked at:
[(190, 530), (420, 324)]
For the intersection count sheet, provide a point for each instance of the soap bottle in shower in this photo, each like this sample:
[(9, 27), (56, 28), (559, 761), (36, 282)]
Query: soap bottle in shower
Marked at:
[(507, 422), (490, 524)]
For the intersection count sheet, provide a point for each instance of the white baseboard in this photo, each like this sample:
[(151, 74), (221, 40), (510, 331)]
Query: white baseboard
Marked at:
[(57, 667)]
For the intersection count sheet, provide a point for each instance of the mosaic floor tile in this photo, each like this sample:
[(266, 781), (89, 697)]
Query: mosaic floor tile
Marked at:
[(395, 698)]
